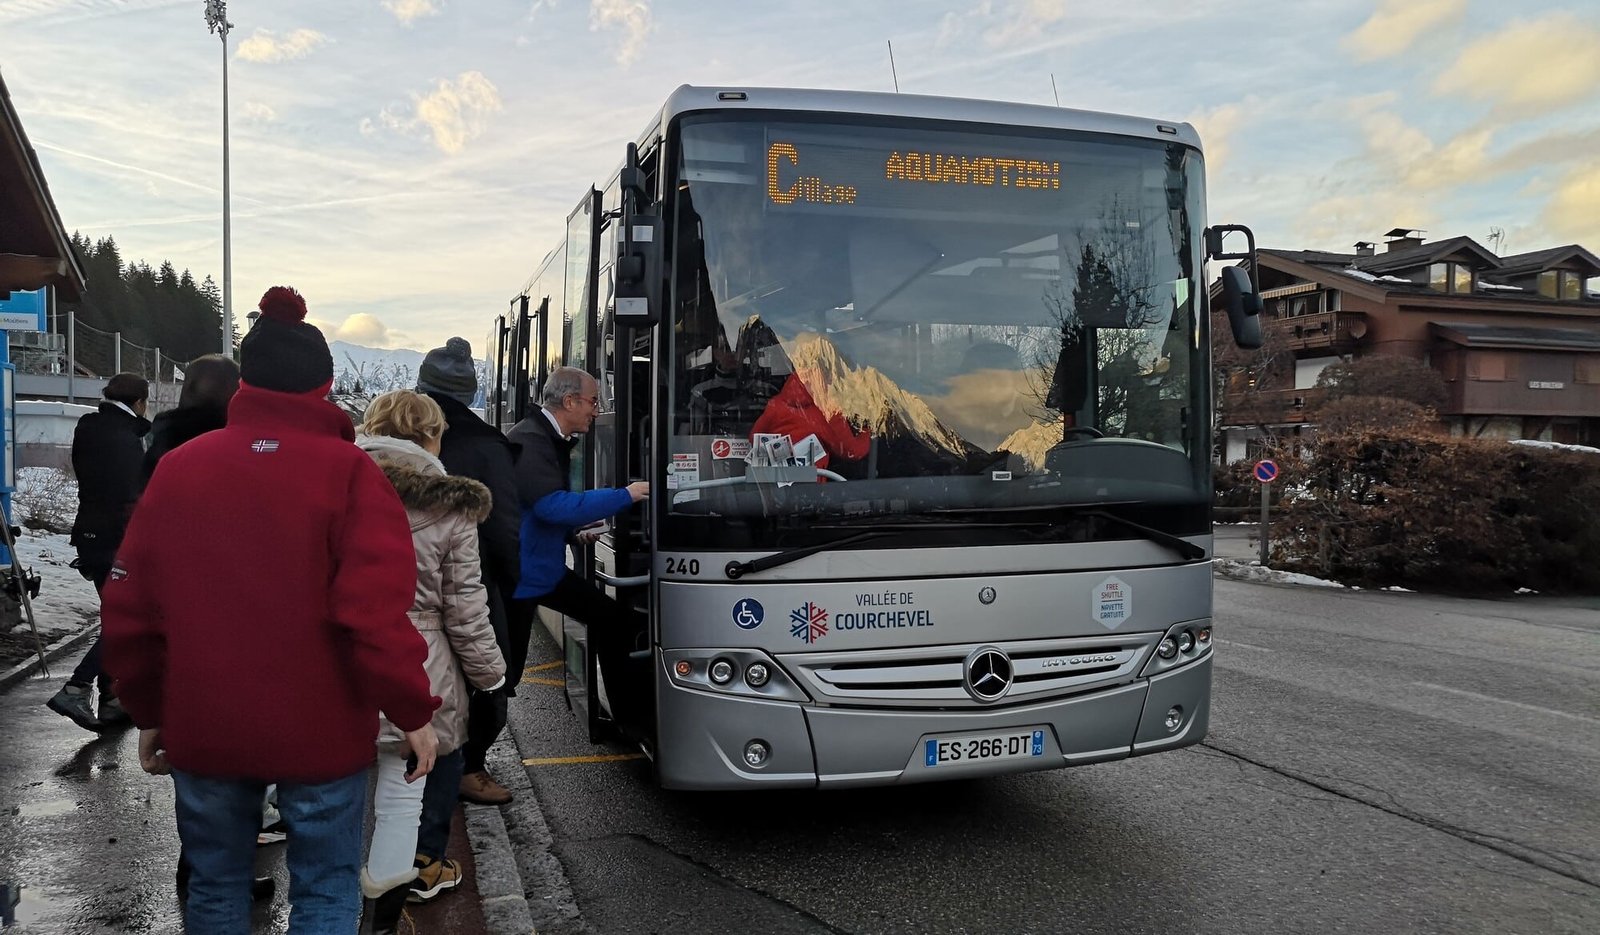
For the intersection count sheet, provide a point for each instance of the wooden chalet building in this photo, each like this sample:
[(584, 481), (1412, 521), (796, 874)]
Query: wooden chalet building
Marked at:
[(1517, 338)]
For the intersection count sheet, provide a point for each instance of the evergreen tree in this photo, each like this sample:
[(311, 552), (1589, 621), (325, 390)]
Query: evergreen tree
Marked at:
[(156, 307)]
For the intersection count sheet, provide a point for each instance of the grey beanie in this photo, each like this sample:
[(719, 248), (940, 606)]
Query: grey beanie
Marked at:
[(450, 371)]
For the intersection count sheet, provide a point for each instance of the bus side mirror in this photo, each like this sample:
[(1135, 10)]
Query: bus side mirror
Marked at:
[(639, 270), (639, 238), (1239, 295), (1243, 303)]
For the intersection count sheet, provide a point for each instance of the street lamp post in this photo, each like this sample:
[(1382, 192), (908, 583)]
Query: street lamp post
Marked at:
[(217, 20)]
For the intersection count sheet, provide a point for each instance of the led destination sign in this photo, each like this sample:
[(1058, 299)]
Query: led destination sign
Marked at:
[(836, 175)]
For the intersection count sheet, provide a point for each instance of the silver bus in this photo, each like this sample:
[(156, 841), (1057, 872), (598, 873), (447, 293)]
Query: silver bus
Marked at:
[(922, 386)]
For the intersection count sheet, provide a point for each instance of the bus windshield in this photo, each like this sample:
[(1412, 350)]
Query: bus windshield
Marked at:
[(886, 318)]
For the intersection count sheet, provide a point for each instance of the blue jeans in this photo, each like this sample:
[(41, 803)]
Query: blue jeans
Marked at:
[(217, 822), (439, 804)]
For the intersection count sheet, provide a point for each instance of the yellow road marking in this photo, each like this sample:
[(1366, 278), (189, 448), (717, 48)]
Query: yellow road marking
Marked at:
[(568, 760), (543, 681), (544, 666)]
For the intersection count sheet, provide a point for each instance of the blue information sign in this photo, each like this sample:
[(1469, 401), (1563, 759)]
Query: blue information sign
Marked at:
[(1266, 470)]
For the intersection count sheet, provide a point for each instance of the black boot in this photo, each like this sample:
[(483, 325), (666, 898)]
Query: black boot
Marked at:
[(381, 916)]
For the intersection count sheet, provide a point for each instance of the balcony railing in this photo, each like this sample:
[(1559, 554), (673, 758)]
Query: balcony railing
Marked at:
[(1335, 330), (1271, 407)]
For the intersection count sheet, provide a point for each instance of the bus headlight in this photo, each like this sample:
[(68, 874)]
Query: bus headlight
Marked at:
[(1174, 719), (726, 670), (1186, 641), (1204, 636), (1168, 648)]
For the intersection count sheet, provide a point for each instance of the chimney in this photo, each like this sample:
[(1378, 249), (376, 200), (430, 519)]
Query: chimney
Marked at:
[(1401, 238), (1366, 248)]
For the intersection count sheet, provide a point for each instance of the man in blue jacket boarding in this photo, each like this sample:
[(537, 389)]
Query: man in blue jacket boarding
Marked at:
[(553, 514)]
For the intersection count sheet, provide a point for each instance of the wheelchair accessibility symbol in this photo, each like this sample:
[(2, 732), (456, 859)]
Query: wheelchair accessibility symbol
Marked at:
[(747, 614)]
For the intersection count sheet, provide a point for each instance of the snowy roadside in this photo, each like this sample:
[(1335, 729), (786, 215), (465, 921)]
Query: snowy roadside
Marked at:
[(66, 605)]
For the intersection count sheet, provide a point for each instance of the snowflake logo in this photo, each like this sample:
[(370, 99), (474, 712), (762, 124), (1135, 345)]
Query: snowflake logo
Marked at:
[(808, 622)]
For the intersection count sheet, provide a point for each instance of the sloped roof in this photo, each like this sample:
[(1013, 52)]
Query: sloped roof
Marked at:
[(1540, 260), (1528, 338), (35, 249), (1412, 257)]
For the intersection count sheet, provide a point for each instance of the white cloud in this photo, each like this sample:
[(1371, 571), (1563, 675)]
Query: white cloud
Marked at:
[(1001, 26), (1217, 128), (267, 48), (363, 328), (1573, 211), (452, 113), (1533, 65), (632, 17), (259, 112), (409, 11), (1396, 24)]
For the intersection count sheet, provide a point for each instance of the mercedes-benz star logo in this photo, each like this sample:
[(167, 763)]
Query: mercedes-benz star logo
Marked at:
[(988, 674)]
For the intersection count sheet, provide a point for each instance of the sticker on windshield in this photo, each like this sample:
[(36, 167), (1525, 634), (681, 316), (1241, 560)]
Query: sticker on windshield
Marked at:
[(684, 471), (727, 449), (1111, 603)]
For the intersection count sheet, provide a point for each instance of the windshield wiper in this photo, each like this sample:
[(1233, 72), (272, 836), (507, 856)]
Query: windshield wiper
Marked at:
[(1183, 547), (736, 569)]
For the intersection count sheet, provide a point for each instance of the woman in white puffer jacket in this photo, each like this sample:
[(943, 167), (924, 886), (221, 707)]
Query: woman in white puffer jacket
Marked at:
[(406, 861)]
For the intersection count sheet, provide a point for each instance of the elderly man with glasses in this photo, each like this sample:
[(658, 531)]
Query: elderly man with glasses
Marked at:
[(553, 514)]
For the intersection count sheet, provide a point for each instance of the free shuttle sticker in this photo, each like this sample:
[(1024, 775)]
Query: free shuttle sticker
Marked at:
[(1111, 603)]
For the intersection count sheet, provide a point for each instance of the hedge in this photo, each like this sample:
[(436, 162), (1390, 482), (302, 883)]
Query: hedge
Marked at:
[(1426, 511)]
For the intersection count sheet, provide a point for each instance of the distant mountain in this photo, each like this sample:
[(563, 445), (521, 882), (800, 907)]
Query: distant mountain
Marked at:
[(1033, 443), (367, 371), (353, 357), (911, 439)]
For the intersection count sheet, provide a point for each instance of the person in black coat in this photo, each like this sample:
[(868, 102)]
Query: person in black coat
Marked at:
[(209, 383), (107, 449), (473, 448)]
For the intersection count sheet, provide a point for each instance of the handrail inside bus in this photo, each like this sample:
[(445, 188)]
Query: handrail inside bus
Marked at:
[(746, 479)]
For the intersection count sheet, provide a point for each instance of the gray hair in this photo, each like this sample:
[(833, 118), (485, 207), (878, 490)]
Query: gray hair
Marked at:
[(562, 382)]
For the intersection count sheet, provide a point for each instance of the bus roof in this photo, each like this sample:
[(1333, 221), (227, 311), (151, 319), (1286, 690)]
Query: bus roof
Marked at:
[(689, 99)]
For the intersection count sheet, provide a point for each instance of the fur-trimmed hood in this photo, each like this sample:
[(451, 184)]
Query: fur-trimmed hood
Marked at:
[(419, 478)]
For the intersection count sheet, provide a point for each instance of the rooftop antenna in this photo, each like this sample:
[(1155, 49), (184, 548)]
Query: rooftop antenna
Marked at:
[(892, 72), (1053, 89), (1497, 236)]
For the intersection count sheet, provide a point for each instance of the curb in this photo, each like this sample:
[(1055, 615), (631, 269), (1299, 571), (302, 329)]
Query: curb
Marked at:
[(53, 652), (545, 891), (509, 907), (505, 905)]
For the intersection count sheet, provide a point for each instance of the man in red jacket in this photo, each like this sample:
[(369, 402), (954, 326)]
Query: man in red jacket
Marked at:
[(255, 624)]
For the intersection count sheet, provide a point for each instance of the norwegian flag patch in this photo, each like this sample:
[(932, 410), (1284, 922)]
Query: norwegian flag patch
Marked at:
[(263, 446)]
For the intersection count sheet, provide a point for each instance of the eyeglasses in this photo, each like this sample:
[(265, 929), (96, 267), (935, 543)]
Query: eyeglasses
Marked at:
[(593, 401)]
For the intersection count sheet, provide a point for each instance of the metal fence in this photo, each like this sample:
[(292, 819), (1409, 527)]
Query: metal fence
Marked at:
[(86, 351)]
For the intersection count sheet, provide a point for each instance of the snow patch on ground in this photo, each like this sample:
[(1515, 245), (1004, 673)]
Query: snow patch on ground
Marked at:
[(1554, 446), (67, 602), (1252, 571)]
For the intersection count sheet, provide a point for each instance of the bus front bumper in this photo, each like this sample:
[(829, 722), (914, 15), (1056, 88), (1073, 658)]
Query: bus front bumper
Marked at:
[(704, 738)]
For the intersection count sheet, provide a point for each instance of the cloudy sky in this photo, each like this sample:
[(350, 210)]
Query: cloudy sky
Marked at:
[(406, 163)]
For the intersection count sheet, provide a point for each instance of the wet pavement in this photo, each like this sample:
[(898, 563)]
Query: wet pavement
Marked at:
[(1377, 762), (88, 843)]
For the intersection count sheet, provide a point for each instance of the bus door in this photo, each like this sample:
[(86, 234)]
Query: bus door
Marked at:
[(580, 350)]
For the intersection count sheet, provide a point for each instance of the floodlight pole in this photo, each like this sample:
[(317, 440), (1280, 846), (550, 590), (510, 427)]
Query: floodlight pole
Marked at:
[(217, 20)]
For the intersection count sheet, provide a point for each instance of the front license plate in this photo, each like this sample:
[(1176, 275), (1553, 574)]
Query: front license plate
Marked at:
[(983, 748)]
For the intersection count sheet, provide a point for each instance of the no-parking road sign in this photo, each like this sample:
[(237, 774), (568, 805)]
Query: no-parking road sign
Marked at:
[(1266, 470)]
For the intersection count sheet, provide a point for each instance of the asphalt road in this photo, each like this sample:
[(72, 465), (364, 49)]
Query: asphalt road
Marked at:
[(1378, 762)]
